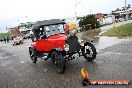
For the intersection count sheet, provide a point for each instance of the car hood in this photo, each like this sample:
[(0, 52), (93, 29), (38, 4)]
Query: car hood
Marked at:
[(58, 37)]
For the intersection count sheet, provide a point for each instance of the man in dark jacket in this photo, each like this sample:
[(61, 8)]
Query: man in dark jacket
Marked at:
[(4, 39)]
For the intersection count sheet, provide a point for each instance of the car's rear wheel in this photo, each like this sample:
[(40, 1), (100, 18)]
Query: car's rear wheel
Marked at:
[(59, 61), (89, 52), (32, 52)]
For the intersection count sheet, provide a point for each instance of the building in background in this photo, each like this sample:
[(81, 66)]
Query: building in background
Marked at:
[(104, 19), (121, 15), (14, 31)]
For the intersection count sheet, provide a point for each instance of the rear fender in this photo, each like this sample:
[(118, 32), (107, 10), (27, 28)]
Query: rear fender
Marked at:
[(30, 49), (86, 43)]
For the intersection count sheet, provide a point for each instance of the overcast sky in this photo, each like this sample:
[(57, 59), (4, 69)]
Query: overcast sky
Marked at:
[(13, 12)]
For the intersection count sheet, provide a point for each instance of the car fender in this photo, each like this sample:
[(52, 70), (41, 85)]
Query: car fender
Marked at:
[(87, 43), (30, 48), (55, 49), (87, 40)]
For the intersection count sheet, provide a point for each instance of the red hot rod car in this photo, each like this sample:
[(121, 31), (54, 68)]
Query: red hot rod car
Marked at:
[(51, 41)]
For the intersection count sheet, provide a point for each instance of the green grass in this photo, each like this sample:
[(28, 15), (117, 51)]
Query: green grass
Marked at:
[(4, 35), (120, 31)]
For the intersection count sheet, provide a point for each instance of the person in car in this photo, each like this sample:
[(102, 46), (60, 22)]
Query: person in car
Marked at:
[(42, 33)]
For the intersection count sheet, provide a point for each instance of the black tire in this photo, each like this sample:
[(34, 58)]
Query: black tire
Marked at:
[(59, 62), (90, 53), (32, 53), (21, 42)]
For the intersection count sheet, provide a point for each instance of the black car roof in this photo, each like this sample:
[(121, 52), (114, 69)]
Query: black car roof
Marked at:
[(46, 23)]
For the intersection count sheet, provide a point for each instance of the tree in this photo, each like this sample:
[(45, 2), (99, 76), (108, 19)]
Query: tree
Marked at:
[(123, 8), (26, 25), (22, 25), (117, 9), (88, 22), (128, 6), (29, 24)]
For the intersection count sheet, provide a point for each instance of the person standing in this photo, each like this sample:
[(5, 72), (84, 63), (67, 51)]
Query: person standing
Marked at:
[(7, 39), (4, 39)]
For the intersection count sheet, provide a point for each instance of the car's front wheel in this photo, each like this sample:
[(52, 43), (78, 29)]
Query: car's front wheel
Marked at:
[(89, 52), (59, 61), (32, 52), (21, 42)]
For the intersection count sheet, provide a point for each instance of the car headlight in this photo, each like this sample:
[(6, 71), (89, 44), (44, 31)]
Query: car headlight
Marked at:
[(66, 47)]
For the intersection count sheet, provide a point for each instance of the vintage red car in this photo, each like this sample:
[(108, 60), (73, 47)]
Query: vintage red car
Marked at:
[(51, 41)]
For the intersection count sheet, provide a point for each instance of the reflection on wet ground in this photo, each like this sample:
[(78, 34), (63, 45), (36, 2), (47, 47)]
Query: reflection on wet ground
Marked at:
[(102, 42)]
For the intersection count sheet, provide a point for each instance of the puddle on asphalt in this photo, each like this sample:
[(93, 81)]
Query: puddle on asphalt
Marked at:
[(1, 57), (22, 62), (102, 42), (5, 63)]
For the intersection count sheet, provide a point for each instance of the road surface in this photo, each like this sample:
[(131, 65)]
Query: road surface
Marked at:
[(18, 71)]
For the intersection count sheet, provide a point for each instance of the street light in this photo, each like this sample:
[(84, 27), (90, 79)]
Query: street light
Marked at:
[(76, 13), (125, 3), (126, 11)]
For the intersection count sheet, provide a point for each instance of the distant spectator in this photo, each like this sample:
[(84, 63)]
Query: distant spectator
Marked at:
[(4, 39), (7, 39), (12, 38), (1, 40)]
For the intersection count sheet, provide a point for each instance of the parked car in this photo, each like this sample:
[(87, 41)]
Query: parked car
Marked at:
[(26, 36), (17, 40), (51, 41)]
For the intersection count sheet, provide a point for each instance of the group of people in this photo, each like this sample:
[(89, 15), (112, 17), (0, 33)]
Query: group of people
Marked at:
[(6, 39)]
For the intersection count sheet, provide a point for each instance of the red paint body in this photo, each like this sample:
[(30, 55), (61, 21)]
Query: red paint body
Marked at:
[(55, 41)]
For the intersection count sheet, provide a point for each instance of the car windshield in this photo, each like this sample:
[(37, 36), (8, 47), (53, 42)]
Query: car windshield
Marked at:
[(54, 29)]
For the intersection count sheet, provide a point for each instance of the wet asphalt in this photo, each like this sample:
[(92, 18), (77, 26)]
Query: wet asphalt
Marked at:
[(18, 71)]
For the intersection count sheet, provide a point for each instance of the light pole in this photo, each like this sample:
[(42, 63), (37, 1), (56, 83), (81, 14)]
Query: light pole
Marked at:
[(76, 13), (126, 11), (125, 4)]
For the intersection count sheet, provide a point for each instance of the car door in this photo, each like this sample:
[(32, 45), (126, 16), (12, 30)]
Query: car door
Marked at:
[(42, 42)]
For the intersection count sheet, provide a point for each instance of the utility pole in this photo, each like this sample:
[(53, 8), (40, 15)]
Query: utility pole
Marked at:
[(126, 10), (125, 3), (76, 13)]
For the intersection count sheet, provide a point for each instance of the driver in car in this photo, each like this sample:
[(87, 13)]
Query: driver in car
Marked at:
[(42, 33)]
